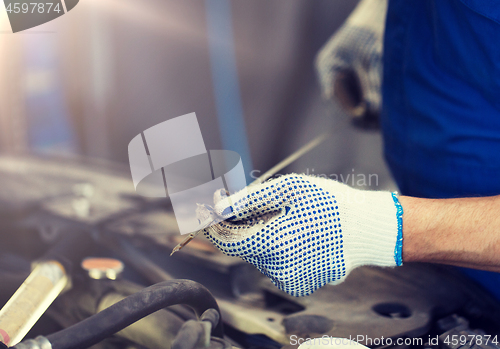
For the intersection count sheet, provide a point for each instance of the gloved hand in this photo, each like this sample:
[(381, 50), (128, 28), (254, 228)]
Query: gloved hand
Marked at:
[(303, 231), (349, 66)]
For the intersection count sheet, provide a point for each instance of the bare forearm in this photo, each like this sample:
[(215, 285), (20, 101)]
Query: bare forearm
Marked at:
[(462, 232)]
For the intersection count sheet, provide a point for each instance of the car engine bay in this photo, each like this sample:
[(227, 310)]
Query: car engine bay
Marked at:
[(121, 289)]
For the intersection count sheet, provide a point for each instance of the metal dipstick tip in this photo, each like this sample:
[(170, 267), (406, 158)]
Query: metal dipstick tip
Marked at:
[(103, 268)]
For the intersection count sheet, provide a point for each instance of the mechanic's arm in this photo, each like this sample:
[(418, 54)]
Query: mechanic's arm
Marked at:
[(304, 232), (463, 232)]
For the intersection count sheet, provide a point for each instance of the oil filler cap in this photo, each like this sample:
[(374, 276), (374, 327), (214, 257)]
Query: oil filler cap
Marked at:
[(102, 268)]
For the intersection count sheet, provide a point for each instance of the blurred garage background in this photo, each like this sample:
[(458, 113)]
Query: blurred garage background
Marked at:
[(91, 80)]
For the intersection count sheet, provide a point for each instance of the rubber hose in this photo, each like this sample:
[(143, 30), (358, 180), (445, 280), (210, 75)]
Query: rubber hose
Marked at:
[(192, 331), (120, 315)]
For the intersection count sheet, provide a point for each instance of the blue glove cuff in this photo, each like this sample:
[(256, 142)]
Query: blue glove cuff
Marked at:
[(398, 250)]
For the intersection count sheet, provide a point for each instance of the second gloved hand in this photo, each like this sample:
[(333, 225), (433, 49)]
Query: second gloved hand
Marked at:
[(304, 232)]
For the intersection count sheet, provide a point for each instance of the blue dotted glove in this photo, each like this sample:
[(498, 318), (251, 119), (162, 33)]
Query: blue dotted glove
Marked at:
[(304, 232), (349, 66)]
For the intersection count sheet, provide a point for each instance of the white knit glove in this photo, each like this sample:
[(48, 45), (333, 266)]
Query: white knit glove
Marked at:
[(349, 66), (303, 231)]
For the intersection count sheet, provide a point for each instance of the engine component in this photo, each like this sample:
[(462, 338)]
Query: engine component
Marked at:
[(458, 334), (155, 331), (194, 332), (47, 280), (101, 268), (31, 300), (36, 198), (120, 315)]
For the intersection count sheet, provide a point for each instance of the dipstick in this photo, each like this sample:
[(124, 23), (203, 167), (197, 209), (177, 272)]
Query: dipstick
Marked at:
[(279, 166), (192, 235)]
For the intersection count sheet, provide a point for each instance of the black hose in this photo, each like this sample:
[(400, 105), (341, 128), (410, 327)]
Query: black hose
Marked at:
[(120, 315), (189, 336), (148, 269), (193, 331), (128, 288), (212, 316)]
